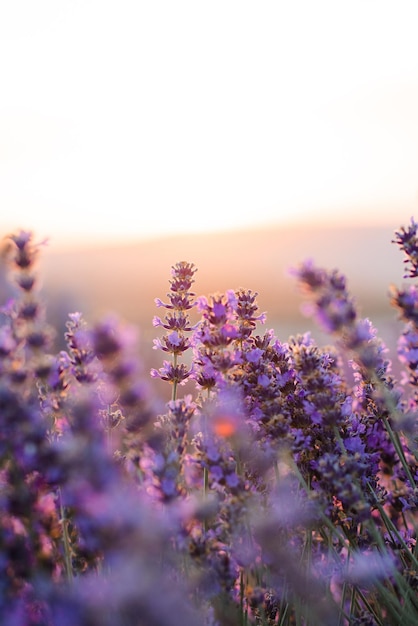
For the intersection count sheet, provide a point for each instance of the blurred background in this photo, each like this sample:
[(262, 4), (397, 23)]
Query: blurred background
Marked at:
[(241, 136)]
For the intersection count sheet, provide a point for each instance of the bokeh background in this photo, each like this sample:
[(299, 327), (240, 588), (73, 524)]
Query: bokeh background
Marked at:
[(241, 136)]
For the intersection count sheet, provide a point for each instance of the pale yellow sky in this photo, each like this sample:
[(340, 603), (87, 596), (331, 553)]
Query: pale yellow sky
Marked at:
[(129, 118)]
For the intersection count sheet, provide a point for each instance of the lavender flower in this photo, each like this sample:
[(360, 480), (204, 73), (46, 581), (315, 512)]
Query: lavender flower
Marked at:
[(80, 349), (407, 240), (177, 323)]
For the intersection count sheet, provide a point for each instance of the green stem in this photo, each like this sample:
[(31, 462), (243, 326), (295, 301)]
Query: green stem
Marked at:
[(205, 469), (66, 540), (394, 437), (205, 493), (108, 433), (344, 591), (174, 394), (283, 614), (241, 596), (391, 527)]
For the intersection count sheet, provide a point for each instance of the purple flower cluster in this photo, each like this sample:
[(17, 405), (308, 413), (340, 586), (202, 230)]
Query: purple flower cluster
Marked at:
[(280, 490), (407, 240)]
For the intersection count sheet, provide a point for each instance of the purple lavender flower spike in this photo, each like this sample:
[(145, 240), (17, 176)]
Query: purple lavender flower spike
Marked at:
[(176, 323), (407, 240)]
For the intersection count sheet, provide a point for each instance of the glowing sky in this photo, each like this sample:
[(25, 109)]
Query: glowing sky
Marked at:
[(131, 118)]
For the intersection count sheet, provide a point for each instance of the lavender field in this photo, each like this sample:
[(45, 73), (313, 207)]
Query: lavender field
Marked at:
[(246, 478)]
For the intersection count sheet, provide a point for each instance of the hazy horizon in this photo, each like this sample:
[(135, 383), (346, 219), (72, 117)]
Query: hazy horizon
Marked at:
[(340, 222), (258, 259)]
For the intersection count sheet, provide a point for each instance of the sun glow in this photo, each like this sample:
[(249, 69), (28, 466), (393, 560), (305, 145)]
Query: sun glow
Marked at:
[(138, 119)]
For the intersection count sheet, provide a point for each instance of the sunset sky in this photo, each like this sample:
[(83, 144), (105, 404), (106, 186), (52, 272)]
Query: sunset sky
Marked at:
[(129, 118)]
